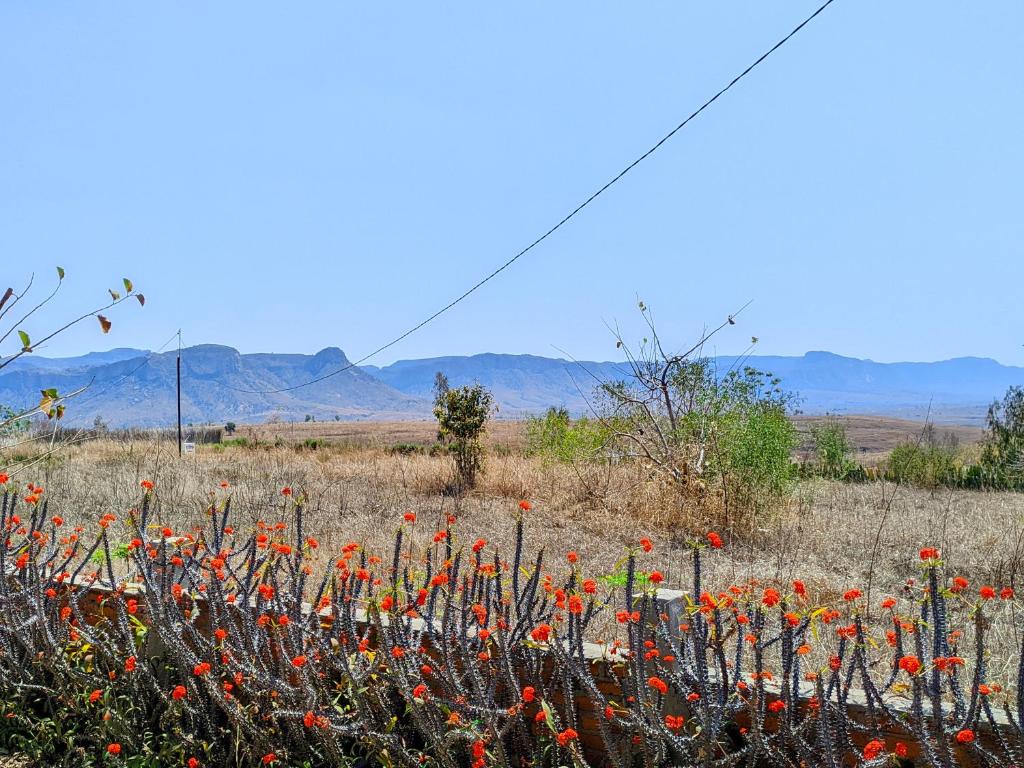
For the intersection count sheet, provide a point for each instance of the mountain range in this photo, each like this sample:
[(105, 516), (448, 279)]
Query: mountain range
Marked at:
[(135, 387)]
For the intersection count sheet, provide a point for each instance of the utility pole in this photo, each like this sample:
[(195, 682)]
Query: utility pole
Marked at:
[(179, 393)]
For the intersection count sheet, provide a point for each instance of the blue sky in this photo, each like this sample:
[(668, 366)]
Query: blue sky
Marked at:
[(288, 176)]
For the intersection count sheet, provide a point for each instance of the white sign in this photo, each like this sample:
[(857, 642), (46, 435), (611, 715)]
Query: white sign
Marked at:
[(188, 447)]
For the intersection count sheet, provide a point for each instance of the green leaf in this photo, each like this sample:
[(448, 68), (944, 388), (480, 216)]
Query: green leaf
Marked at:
[(60, 273), (26, 342), (127, 284)]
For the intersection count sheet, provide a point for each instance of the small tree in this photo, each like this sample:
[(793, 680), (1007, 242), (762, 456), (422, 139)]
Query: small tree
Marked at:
[(462, 415), (1003, 449), (832, 448), (230, 427)]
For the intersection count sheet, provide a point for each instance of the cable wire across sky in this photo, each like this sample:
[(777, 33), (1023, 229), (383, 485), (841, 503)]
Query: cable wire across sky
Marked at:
[(565, 220)]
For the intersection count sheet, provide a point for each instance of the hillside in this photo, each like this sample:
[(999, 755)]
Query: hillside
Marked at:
[(137, 391), (134, 387)]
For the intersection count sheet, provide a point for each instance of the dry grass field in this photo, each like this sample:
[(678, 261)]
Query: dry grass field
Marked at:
[(872, 436)]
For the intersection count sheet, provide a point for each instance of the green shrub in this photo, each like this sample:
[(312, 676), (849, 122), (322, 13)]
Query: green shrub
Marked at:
[(554, 437), (406, 449), (832, 448), (926, 463)]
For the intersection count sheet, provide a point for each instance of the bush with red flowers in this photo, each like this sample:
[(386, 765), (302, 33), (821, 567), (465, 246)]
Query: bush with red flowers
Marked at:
[(217, 648)]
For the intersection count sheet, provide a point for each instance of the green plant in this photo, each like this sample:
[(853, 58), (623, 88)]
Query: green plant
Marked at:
[(555, 437), (1003, 449), (462, 415), (929, 461), (832, 448)]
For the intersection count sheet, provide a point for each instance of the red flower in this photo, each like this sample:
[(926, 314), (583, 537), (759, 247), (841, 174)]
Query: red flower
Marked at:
[(910, 664), (479, 544), (929, 553), (590, 586), (873, 749), (3, 478), (674, 723), (658, 684), (959, 584), (193, 762), (777, 706), (966, 736), (298, 661), (541, 633), (309, 719), (525, 505), (95, 696), (575, 604), (179, 693), (656, 577), (771, 597), (129, 664), (852, 594), (889, 602), (528, 694), (1006, 593), (646, 544), (566, 736), (987, 593), (269, 758), (572, 557), (147, 485), (800, 588), (420, 691), (715, 540), (114, 749), (286, 491)]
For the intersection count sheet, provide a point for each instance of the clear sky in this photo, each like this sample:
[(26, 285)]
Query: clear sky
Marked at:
[(289, 176)]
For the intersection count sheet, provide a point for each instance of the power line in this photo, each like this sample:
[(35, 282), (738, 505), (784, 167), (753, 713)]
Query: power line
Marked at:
[(553, 229)]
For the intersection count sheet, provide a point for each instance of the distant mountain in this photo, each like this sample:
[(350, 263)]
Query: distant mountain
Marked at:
[(954, 391), (127, 386), (521, 384), (140, 390)]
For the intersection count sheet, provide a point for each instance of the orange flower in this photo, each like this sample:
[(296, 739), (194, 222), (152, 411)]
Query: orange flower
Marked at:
[(852, 594), (298, 661), (542, 633), (873, 749), (95, 696), (147, 485), (889, 602), (674, 723), (658, 684), (572, 557), (910, 664), (114, 749), (566, 736)]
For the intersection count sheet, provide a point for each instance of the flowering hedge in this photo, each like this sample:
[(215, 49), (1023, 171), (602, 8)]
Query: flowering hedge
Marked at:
[(222, 647)]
